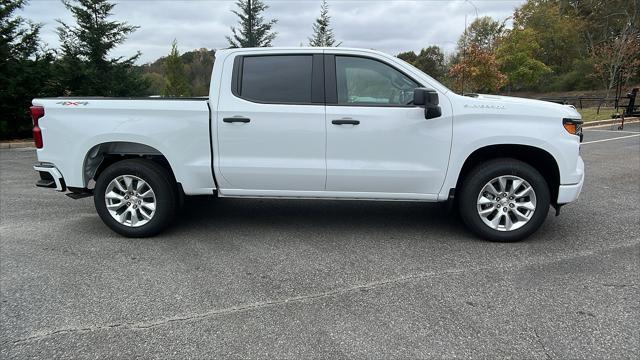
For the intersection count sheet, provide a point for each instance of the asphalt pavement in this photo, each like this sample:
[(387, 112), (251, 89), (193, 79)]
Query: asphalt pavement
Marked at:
[(300, 279)]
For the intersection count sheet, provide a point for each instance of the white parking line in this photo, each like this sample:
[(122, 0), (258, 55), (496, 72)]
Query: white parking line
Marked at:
[(617, 131), (615, 138)]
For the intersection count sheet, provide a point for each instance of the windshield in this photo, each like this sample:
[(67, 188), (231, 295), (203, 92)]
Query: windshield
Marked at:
[(432, 82)]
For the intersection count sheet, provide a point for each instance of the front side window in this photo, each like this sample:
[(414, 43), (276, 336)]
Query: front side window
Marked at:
[(277, 78), (362, 81)]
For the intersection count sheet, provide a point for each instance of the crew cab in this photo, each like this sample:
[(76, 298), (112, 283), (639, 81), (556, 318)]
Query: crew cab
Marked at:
[(314, 123)]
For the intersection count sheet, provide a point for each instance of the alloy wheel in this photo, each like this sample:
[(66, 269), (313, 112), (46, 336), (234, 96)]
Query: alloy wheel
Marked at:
[(506, 203), (130, 200)]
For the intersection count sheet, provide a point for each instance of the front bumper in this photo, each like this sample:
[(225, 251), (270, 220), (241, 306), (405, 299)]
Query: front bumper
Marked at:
[(570, 193), (50, 177)]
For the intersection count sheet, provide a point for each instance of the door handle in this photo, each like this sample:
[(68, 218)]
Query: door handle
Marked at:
[(345, 122), (236, 120)]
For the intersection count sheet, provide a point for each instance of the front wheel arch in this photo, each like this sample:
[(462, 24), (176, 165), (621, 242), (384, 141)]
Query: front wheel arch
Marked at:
[(538, 158)]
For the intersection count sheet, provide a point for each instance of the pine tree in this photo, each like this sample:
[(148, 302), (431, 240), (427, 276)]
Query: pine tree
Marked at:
[(86, 68), (175, 78), (25, 69), (322, 32), (253, 30), (18, 38)]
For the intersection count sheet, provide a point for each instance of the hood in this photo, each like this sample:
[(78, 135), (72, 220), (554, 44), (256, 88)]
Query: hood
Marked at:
[(526, 105)]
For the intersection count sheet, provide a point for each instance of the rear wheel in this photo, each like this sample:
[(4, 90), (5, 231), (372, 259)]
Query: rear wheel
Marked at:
[(136, 197), (504, 200)]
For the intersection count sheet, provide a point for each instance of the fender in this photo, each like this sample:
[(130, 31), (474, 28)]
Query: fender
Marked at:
[(467, 142)]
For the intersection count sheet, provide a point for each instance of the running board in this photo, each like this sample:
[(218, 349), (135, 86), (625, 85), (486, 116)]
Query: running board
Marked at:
[(79, 195)]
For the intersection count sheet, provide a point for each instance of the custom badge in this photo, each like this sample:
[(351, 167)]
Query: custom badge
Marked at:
[(485, 106)]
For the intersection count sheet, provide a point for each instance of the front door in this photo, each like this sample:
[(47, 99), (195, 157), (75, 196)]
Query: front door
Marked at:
[(377, 142)]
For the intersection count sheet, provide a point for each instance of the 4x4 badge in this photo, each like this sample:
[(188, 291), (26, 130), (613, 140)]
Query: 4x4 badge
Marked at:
[(72, 103)]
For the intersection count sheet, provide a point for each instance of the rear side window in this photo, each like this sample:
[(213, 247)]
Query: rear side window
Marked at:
[(277, 79)]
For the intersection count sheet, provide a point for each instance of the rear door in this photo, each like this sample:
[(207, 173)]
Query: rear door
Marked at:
[(377, 141), (271, 125)]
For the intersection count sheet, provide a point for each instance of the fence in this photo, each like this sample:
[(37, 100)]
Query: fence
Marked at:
[(628, 109), (582, 102)]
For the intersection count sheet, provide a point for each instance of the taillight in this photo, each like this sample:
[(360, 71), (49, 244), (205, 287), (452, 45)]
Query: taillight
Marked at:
[(36, 113)]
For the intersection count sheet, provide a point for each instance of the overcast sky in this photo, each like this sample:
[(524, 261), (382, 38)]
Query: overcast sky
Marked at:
[(386, 25)]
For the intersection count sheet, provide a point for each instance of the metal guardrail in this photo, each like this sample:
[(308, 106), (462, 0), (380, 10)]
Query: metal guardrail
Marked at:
[(630, 108), (579, 101)]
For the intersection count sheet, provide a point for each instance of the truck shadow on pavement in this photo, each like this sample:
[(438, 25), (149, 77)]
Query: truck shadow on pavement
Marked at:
[(210, 219), (340, 217)]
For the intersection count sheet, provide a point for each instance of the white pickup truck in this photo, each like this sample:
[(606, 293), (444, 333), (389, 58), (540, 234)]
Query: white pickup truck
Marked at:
[(314, 123)]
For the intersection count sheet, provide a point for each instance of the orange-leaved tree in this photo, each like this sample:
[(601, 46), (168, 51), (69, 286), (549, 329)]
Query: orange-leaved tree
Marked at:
[(478, 71)]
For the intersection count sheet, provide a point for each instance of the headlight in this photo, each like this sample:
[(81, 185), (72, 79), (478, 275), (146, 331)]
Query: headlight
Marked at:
[(573, 127)]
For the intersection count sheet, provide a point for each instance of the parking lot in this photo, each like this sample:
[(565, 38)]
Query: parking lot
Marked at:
[(291, 279)]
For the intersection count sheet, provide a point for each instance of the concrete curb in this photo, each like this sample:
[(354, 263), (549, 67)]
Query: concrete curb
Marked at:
[(17, 144), (610, 122)]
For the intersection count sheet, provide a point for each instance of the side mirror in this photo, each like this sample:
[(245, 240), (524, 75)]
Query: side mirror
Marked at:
[(429, 99)]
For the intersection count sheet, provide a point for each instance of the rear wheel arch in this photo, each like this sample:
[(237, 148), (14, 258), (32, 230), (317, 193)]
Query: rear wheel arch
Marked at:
[(538, 158), (103, 155)]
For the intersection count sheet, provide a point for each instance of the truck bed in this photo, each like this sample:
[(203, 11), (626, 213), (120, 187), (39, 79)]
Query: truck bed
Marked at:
[(177, 128)]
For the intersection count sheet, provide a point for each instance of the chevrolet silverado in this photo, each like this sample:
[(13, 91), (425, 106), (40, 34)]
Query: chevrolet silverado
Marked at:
[(314, 123)]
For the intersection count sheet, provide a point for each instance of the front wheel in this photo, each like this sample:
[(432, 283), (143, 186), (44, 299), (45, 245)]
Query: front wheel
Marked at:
[(504, 200), (135, 198)]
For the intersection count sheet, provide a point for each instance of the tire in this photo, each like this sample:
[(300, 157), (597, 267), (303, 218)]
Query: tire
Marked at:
[(157, 208), (509, 221)]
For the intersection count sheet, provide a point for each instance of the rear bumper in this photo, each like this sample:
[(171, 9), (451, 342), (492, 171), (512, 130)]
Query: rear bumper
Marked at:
[(570, 193), (50, 177)]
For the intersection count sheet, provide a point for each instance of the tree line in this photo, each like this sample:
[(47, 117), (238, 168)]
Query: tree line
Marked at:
[(554, 45)]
